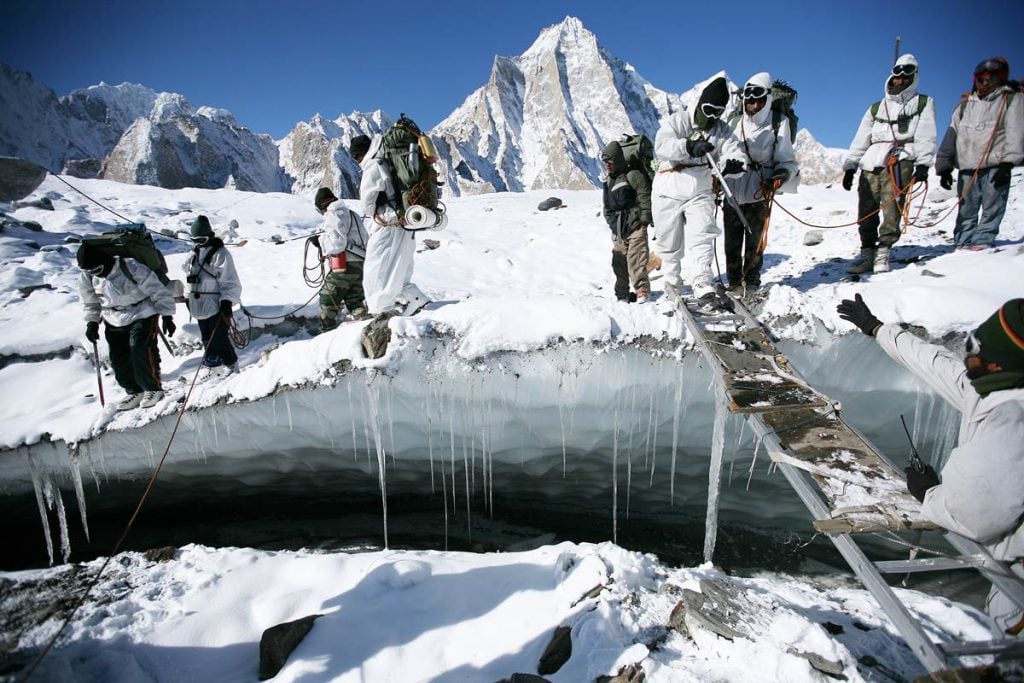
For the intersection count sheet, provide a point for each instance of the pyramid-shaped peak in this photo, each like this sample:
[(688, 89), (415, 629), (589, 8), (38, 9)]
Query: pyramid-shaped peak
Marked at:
[(569, 32)]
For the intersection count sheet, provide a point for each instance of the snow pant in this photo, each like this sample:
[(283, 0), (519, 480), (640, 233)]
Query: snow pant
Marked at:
[(134, 355), (983, 195), (629, 263), (387, 270), (341, 287), (219, 350), (686, 231), (742, 260), (876, 190)]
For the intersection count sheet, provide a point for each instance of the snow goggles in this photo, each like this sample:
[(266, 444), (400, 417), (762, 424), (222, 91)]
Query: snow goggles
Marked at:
[(712, 111), (201, 239), (904, 70), (97, 270), (991, 66), (973, 346), (755, 92)]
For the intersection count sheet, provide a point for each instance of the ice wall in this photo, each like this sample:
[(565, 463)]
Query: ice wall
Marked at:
[(584, 427)]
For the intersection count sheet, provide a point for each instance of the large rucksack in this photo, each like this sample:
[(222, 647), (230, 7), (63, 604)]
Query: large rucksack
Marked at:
[(639, 153), (410, 154), (783, 99), (133, 241)]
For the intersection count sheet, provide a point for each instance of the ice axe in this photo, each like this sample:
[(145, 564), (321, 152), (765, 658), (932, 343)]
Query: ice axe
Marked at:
[(915, 459), (728, 193), (99, 374)]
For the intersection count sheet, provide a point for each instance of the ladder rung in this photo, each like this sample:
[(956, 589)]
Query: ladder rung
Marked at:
[(930, 564), (981, 647)]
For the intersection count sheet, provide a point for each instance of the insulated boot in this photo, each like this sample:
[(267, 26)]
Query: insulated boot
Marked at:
[(132, 401), (864, 263), (882, 260), (151, 398)]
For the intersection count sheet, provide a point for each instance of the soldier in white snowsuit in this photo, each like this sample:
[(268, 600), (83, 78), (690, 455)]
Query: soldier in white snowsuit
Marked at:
[(985, 141), (981, 495), (387, 271), (894, 145), (682, 199), (343, 243), (129, 298), (771, 167), (213, 289)]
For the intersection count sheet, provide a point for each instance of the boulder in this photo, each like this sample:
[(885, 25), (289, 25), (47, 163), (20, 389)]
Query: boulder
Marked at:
[(550, 203), (19, 178), (277, 642)]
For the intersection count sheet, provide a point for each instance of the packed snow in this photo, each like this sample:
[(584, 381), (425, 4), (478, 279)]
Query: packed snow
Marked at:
[(504, 278)]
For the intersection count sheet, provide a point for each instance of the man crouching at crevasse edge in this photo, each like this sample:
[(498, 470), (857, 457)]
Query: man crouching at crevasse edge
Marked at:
[(981, 494)]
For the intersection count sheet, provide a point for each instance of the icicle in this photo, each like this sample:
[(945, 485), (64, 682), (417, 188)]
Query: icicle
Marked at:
[(451, 438), (373, 403), (56, 503), (39, 486), (615, 476), (753, 460), (675, 437), (288, 405), (444, 491), (714, 478), (76, 477)]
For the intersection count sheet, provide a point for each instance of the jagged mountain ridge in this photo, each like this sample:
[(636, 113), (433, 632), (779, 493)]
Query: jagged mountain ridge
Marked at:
[(540, 121)]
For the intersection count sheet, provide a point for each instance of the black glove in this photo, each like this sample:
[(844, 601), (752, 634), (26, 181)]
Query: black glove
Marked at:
[(1001, 178), (780, 174), (699, 147), (92, 331), (732, 167), (225, 307), (848, 179), (168, 325), (921, 173), (946, 180), (858, 313), (314, 240), (919, 481)]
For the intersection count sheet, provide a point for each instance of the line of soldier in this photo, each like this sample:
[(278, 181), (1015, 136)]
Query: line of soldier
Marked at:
[(894, 146)]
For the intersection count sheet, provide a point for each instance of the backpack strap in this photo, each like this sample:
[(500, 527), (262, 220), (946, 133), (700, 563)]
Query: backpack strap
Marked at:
[(124, 269)]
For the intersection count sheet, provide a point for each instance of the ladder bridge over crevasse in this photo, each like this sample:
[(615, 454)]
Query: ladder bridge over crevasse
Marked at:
[(847, 485)]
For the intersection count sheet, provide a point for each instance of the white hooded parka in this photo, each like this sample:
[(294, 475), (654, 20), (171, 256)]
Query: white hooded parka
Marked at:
[(119, 301), (216, 281), (765, 149), (899, 124)]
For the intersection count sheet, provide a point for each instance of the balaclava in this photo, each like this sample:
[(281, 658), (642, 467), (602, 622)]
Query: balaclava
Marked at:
[(911, 88), (762, 79), (359, 146), (324, 198), (89, 258), (201, 228), (717, 93)]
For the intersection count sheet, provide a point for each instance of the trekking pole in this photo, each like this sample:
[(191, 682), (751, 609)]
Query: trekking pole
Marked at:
[(915, 460), (99, 375), (728, 193), (166, 343)]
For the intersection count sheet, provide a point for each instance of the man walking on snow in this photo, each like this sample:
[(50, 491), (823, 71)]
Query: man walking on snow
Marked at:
[(214, 289), (627, 209), (771, 162), (128, 297), (344, 244), (683, 200), (387, 271), (981, 494), (985, 141), (894, 145)]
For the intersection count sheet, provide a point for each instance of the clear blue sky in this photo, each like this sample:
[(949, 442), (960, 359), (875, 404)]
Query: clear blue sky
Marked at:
[(273, 64)]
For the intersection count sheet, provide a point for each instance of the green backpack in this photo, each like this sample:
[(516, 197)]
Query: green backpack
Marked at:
[(902, 121), (783, 99), (131, 240), (405, 148), (639, 152)]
